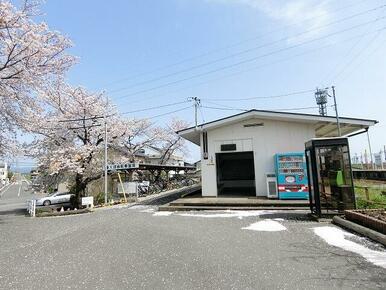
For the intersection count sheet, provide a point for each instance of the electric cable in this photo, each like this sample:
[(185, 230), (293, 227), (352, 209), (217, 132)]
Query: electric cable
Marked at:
[(153, 108), (252, 68), (168, 113), (216, 50), (245, 61), (247, 50)]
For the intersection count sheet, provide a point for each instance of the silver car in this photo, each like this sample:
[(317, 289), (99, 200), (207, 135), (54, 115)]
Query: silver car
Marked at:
[(54, 198)]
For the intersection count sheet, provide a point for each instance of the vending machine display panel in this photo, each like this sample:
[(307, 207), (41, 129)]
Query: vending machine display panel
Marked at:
[(291, 172)]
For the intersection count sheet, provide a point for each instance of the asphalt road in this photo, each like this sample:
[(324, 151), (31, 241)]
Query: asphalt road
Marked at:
[(13, 197), (137, 249)]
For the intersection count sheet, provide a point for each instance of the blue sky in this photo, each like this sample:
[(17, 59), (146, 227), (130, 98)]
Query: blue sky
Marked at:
[(150, 53)]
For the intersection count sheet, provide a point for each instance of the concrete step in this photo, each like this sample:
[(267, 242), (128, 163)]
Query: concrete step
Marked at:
[(238, 203), (170, 207)]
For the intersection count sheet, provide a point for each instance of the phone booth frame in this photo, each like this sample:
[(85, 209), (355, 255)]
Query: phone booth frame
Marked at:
[(340, 194)]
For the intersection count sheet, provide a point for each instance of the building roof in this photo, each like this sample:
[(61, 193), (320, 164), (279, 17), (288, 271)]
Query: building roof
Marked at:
[(325, 126)]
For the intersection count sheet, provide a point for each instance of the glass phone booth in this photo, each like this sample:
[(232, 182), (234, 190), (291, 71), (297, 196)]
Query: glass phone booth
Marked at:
[(329, 176)]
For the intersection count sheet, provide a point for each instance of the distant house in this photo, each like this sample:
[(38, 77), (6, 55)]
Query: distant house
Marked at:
[(3, 173), (154, 155)]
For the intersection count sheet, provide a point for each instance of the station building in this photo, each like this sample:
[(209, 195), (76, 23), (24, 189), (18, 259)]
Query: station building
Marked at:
[(237, 152)]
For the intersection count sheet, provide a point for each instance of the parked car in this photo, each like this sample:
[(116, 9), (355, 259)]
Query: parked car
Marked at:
[(54, 198)]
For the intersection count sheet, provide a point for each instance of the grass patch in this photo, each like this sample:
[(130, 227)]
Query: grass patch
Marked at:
[(377, 199)]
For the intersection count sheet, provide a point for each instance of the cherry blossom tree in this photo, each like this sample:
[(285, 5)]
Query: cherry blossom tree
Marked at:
[(70, 134), (31, 57), (139, 134), (170, 142)]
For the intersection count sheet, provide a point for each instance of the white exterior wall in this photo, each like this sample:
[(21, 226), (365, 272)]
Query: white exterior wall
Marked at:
[(265, 141)]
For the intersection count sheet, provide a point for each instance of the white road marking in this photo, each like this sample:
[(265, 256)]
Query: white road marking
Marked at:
[(18, 193), (6, 189), (337, 238), (162, 213)]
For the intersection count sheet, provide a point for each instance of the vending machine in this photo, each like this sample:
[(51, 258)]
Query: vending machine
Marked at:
[(291, 172)]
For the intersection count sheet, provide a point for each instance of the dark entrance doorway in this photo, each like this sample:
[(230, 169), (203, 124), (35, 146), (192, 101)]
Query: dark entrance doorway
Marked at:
[(235, 174)]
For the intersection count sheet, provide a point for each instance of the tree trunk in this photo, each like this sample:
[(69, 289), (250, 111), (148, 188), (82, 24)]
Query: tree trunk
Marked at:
[(78, 190)]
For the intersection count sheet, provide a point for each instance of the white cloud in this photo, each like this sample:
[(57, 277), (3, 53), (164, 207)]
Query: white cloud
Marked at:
[(291, 12)]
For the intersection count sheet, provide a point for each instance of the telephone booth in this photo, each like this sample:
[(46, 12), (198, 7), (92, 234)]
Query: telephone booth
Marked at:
[(330, 178)]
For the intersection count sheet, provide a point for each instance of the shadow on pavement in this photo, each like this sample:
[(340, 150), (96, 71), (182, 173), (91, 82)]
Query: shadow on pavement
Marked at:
[(292, 216), (15, 212)]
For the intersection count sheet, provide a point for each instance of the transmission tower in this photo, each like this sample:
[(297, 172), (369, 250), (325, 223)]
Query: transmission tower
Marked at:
[(321, 100)]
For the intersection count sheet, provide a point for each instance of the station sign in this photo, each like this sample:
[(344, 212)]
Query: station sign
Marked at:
[(122, 166)]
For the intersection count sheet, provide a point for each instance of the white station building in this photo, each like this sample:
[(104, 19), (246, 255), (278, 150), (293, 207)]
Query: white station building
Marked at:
[(242, 146)]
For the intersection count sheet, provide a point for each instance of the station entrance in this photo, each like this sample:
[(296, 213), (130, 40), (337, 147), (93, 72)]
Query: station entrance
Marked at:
[(235, 174)]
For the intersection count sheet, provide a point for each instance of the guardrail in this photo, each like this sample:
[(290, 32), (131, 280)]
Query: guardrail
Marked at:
[(31, 207)]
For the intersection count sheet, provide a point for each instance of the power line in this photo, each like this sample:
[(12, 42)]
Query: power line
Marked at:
[(208, 101), (255, 67), (199, 107), (347, 64), (233, 74), (246, 60), (76, 120), (202, 114), (168, 113), (265, 97), (248, 50), (84, 127), (155, 107), (355, 57), (358, 64), (232, 45), (246, 110)]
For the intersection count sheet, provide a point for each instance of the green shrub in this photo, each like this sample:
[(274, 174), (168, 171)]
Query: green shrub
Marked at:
[(100, 198)]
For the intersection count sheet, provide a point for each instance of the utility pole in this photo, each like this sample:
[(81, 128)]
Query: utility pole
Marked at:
[(371, 152), (105, 161), (321, 100), (336, 111), (197, 103)]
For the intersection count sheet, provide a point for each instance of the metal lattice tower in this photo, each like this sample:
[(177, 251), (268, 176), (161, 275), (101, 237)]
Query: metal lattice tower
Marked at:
[(321, 100)]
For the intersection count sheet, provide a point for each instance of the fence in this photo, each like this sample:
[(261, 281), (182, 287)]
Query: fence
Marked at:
[(370, 174), (31, 207)]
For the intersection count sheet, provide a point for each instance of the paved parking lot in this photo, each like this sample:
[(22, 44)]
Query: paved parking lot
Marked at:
[(140, 248)]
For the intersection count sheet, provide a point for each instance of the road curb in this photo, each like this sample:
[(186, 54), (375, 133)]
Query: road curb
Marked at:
[(64, 213), (371, 234)]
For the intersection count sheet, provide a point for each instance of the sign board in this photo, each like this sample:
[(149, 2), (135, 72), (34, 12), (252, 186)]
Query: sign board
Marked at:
[(132, 187), (89, 200), (378, 159), (122, 166), (128, 187)]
